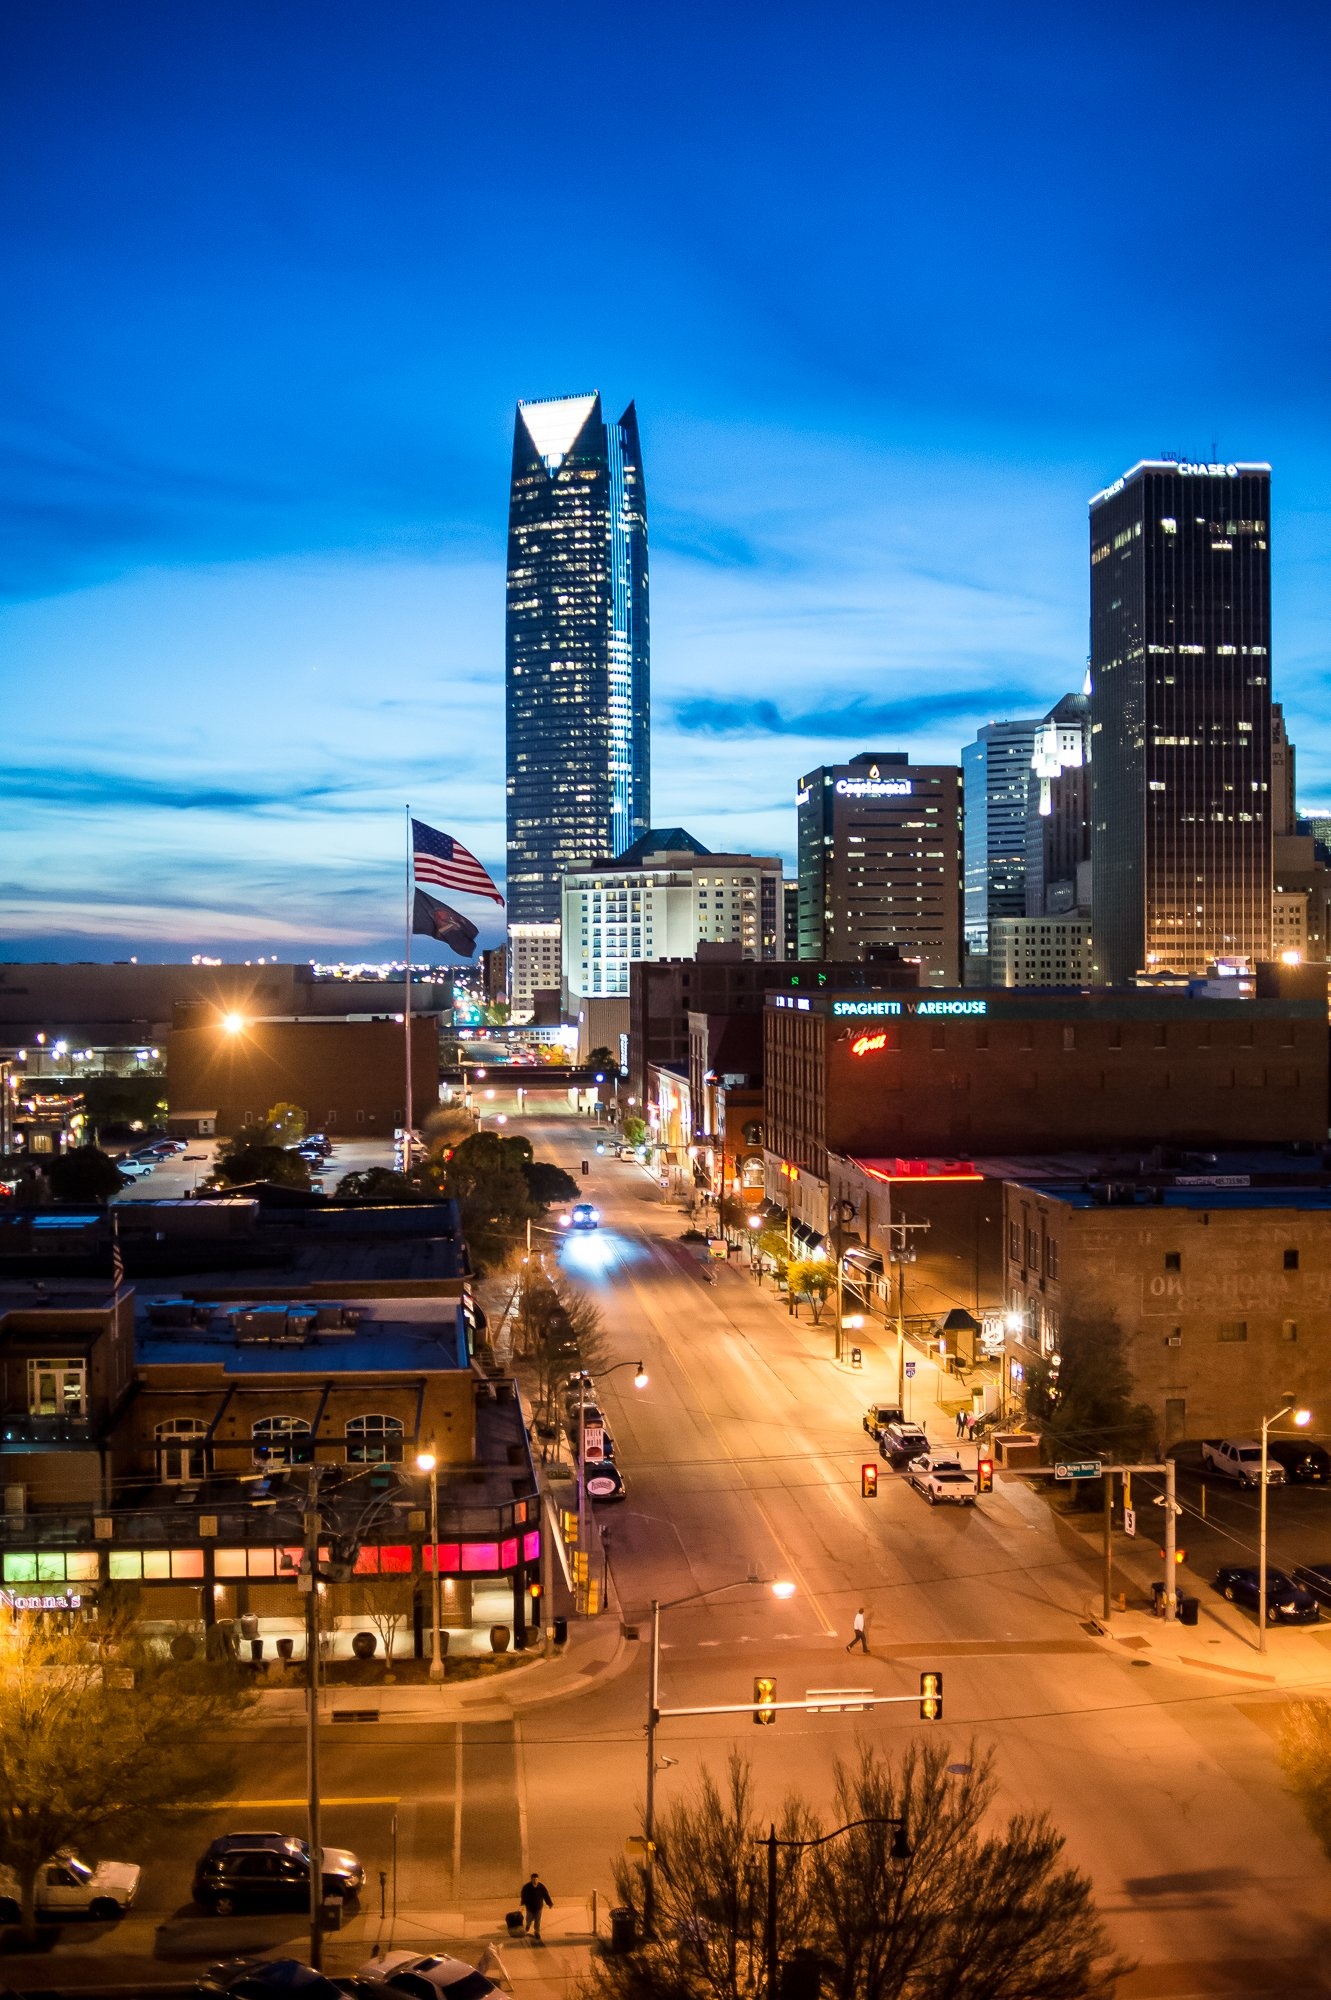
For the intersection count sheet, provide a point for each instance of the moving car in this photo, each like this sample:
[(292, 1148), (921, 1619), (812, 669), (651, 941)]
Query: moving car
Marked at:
[(1305, 1464), (1287, 1603), (425, 1976), (941, 1479), (268, 1870), (901, 1442), (584, 1216), (1241, 1459), (879, 1415), (604, 1481), (67, 1887)]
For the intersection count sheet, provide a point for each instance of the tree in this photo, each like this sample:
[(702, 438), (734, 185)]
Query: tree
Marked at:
[(445, 1127), (243, 1160), (83, 1174), (1084, 1406), (811, 1278), (602, 1060), (386, 1602), (558, 1328), (486, 1178), (772, 1246), (733, 1214), (88, 1759), (384, 1185), (547, 1183), (285, 1124), (1304, 1746), (634, 1130), (972, 1912)]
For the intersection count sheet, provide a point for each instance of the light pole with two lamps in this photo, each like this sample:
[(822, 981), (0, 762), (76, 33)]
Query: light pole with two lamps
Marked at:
[(779, 1588), (1301, 1419)]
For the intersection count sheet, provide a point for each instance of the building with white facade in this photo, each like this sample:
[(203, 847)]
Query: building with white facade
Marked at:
[(661, 898), (533, 966), (1040, 951)]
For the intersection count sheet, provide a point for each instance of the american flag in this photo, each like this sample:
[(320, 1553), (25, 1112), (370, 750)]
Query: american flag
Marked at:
[(439, 859), (117, 1261)]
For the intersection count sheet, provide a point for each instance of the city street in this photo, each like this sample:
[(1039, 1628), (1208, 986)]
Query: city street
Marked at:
[(744, 1453)]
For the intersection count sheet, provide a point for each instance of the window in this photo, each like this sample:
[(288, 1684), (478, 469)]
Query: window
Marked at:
[(282, 1441), (182, 1455), (374, 1440), (1173, 1260), (1233, 1329), (1291, 1260), (1051, 1258), (1289, 1329), (58, 1388)]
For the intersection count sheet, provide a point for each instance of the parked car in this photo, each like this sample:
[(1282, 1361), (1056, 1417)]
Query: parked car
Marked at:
[(941, 1479), (1287, 1603), (136, 1167), (1305, 1464), (901, 1442), (1314, 1577), (879, 1415), (269, 1978), (268, 1870), (1241, 1459), (68, 1887), (604, 1481), (425, 1977)]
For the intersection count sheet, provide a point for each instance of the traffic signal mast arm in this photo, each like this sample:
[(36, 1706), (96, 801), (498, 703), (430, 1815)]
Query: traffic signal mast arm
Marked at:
[(820, 1704), (1168, 1500)]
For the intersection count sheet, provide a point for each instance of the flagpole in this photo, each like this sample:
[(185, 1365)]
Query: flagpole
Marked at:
[(406, 1009)]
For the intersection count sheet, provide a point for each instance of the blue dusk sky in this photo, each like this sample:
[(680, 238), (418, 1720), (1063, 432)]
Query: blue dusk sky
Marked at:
[(896, 289)]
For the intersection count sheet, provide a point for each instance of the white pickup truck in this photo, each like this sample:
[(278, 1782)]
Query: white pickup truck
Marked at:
[(1241, 1459), (941, 1479)]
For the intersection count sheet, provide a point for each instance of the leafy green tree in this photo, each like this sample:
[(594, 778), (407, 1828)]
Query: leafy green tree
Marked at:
[(446, 1127), (285, 1124), (383, 1185), (244, 1160), (602, 1060), (558, 1330), (486, 1177), (634, 1130), (95, 1749), (83, 1174), (547, 1183), (973, 1911), (811, 1278), (772, 1246), (1084, 1406)]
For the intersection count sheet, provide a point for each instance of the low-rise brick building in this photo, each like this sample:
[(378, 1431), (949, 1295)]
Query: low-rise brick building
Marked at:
[(1222, 1291)]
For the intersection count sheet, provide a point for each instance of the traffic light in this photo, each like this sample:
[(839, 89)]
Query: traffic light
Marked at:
[(984, 1476), (931, 1697), (764, 1698), (536, 1594), (868, 1482)]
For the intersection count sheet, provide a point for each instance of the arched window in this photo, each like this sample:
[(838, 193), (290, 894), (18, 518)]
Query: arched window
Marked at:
[(282, 1441), (374, 1440), (182, 1455)]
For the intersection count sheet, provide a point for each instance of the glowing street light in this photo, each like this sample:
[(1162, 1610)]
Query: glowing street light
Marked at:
[(232, 1023), (1300, 1418), (427, 1461)]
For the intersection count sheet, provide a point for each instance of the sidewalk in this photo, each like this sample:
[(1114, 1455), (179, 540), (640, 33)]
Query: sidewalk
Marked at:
[(596, 1651)]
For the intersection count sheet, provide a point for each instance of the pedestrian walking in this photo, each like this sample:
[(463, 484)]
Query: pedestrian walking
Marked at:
[(534, 1897), (970, 1426), (857, 1636), (961, 1423)]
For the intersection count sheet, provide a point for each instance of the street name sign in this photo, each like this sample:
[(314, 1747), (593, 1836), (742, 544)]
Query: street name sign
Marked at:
[(1078, 1468)]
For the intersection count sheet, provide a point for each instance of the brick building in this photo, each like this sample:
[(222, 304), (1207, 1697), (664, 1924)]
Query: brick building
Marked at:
[(1223, 1292), (223, 1072)]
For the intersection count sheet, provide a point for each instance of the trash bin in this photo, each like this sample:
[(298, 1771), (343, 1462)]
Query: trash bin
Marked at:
[(561, 1631), (1188, 1608), (623, 1928)]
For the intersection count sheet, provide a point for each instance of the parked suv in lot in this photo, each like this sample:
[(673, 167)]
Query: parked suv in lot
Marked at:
[(268, 1870)]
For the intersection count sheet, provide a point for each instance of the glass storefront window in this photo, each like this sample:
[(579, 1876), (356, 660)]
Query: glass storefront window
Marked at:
[(20, 1569), (508, 1553), (50, 1568), (81, 1566), (126, 1566), (450, 1559), (156, 1564), (395, 1561), (531, 1546), (187, 1563), (229, 1562), (479, 1556)]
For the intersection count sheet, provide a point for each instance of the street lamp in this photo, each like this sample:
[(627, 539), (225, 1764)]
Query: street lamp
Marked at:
[(900, 1851), (427, 1461), (1301, 1419), (779, 1587), (233, 1023)]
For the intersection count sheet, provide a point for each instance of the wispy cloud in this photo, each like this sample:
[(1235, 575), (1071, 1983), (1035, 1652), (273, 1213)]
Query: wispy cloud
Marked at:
[(707, 717), (123, 790)]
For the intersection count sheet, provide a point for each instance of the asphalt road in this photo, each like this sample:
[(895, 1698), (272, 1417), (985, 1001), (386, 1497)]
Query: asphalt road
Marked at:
[(744, 1451)]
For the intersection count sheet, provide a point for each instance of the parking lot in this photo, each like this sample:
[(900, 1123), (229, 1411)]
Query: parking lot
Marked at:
[(181, 1173), (1219, 1522)]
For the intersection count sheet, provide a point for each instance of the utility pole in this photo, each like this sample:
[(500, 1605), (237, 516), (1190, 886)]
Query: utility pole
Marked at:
[(312, 1527), (649, 1814)]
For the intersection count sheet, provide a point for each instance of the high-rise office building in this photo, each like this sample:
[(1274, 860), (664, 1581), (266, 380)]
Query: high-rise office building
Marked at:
[(880, 862), (576, 647), (995, 771), (1284, 812), (1058, 811), (1181, 718)]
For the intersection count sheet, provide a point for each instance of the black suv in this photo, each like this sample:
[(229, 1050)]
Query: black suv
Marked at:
[(268, 1870)]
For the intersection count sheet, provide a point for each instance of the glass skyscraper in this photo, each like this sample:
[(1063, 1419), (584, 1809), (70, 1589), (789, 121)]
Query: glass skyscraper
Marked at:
[(995, 772), (1180, 718), (576, 647)]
